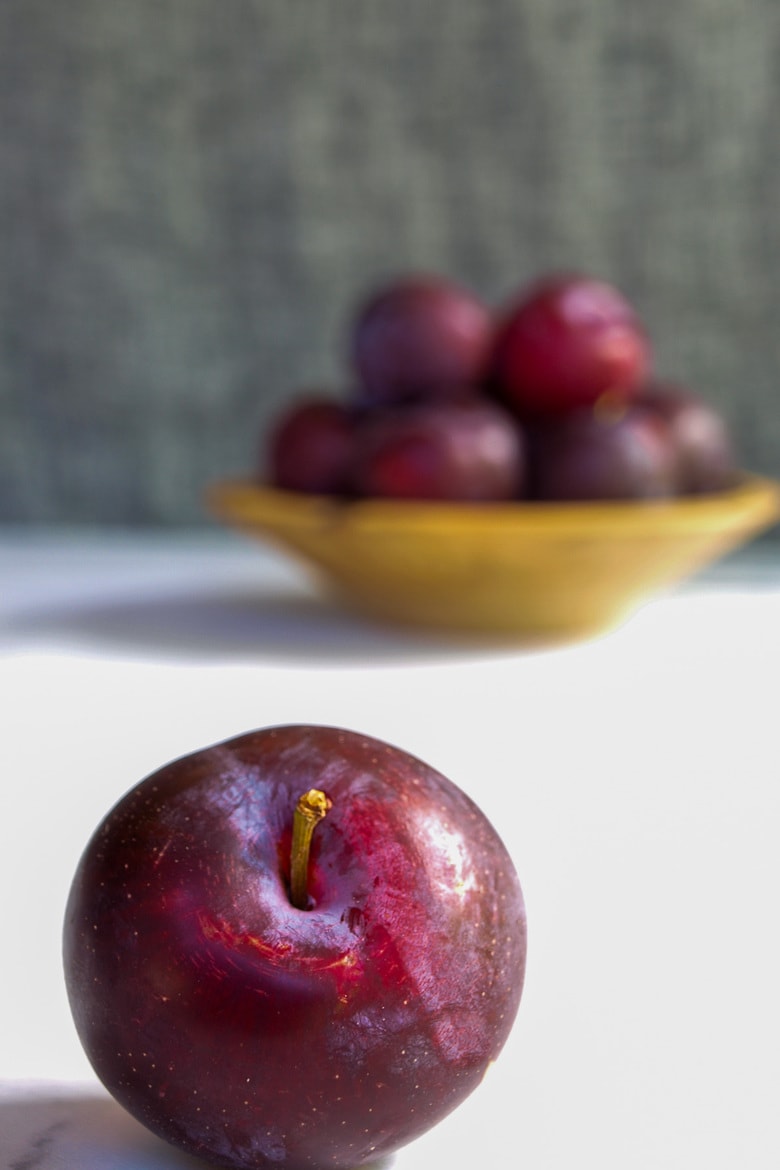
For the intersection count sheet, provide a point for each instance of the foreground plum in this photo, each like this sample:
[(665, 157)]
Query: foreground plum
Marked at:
[(262, 989)]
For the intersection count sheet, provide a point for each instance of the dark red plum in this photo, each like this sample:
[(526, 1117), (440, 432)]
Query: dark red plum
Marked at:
[(593, 454), (253, 1033), (565, 343), (441, 452), (310, 448), (420, 338), (700, 437)]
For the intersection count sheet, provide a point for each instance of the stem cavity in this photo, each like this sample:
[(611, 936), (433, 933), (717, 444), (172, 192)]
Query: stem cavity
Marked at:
[(309, 811)]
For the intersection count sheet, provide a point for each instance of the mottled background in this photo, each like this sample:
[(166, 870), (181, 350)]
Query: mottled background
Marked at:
[(193, 193)]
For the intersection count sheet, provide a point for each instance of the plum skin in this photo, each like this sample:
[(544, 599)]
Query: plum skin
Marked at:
[(420, 339), (247, 1032), (441, 451), (310, 447), (699, 436), (587, 455), (567, 341)]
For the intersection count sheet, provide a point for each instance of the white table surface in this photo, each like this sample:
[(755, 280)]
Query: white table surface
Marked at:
[(634, 779)]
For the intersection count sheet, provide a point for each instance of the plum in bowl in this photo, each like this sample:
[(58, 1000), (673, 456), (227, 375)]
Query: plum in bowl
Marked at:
[(522, 472)]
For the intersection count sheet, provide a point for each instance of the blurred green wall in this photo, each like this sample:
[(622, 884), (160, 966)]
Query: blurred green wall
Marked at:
[(193, 194)]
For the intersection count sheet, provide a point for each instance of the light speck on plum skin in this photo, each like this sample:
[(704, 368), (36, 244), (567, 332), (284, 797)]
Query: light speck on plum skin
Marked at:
[(383, 1018)]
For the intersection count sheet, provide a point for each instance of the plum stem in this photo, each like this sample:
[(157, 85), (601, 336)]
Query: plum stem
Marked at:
[(309, 811)]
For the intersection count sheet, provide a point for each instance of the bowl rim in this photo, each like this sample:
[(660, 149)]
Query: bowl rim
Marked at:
[(249, 502)]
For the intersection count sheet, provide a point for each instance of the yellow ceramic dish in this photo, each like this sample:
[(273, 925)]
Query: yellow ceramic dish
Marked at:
[(521, 569)]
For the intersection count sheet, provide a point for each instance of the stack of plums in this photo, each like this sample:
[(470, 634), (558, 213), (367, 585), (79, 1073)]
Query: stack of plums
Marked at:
[(550, 398)]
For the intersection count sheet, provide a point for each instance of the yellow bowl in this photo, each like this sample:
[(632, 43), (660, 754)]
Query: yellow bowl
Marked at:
[(541, 570)]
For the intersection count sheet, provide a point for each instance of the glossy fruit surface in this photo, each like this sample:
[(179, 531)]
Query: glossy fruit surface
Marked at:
[(252, 1033), (441, 451), (420, 338), (310, 447), (597, 455), (568, 341), (700, 437)]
